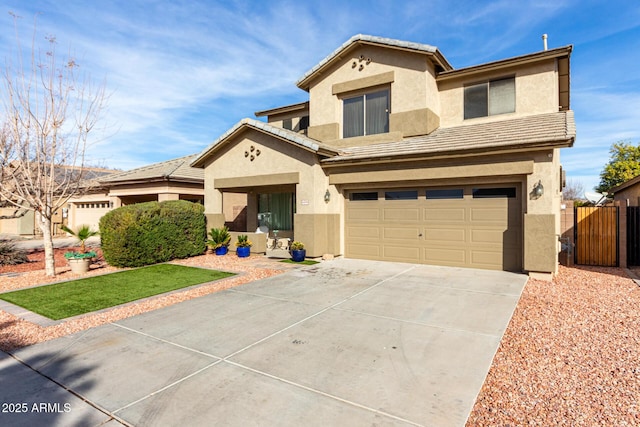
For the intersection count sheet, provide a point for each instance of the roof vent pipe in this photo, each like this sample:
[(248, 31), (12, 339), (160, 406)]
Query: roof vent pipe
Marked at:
[(544, 41)]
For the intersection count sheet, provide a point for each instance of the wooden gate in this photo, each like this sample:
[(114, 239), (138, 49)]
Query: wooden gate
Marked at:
[(596, 235), (633, 235)]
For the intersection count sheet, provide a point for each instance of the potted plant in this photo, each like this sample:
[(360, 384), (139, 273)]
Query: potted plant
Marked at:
[(219, 241), (298, 252), (243, 246), (80, 260)]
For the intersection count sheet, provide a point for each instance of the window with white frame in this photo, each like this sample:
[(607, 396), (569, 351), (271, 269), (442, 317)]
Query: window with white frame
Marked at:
[(490, 98), (366, 114)]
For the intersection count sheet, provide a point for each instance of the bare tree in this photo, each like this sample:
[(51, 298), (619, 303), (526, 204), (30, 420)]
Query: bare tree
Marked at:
[(574, 190), (49, 111)]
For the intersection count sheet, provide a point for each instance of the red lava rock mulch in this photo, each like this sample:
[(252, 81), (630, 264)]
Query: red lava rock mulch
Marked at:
[(570, 356)]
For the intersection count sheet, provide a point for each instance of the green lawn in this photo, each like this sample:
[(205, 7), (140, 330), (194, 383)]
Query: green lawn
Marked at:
[(67, 299)]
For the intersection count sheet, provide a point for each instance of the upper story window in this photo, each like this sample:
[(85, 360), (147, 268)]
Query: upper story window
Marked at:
[(490, 98), (366, 114)]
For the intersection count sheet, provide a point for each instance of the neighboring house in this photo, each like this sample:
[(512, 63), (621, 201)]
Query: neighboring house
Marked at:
[(173, 179), (627, 193), (25, 225), (398, 156)]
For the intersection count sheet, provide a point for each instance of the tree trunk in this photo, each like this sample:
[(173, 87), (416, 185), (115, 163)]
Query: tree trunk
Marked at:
[(49, 259)]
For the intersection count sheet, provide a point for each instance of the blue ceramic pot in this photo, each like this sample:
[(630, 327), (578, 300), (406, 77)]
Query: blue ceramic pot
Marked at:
[(298, 255), (222, 250), (243, 251)]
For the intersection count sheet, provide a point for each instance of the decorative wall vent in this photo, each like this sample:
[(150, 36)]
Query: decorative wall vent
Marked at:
[(361, 62), (252, 153)]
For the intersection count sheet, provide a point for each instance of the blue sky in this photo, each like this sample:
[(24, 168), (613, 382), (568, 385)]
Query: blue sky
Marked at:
[(181, 72)]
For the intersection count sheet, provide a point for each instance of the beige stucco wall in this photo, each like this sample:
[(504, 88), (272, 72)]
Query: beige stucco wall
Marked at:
[(277, 165), (412, 87), (536, 92)]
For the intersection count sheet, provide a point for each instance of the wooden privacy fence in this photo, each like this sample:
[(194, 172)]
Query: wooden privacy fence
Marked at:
[(596, 235)]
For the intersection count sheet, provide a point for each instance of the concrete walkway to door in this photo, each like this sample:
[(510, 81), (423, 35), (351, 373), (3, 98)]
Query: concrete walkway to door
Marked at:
[(344, 342)]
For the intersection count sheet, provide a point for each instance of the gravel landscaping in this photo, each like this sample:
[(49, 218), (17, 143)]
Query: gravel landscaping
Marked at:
[(570, 356)]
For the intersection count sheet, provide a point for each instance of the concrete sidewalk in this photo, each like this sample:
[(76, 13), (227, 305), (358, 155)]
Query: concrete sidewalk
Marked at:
[(345, 342)]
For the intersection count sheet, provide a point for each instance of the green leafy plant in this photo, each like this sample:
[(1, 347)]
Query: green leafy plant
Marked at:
[(79, 255), (297, 246), (219, 237), (243, 241), (82, 234)]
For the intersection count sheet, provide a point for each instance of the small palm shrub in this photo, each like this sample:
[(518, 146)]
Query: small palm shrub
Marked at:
[(219, 237), (10, 255)]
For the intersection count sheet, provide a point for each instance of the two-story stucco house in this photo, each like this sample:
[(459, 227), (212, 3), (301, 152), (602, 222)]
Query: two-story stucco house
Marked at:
[(398, 156)]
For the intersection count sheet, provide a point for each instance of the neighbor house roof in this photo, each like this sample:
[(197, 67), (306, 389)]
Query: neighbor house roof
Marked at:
[(177, 170), (283, 134), (284, 109), (360, 39), (543, 130), (626, 184)]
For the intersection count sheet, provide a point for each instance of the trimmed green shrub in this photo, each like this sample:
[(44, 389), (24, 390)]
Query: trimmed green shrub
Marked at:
[(153, 232), (10, 255)]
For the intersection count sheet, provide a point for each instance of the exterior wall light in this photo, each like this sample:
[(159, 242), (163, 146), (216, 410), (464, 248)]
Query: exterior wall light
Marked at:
[(327, 196), (538, 190)]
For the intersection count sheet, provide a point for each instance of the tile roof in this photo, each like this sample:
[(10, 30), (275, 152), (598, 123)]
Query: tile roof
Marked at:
[(523, 132), (288, 135), (173, 170)]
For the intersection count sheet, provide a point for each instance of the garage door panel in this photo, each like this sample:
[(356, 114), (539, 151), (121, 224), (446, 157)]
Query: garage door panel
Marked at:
[(364, 251), (444, 235), (365, 214), (401, 253), (401, 233), (401, 214), (487, 259), (489, 215), (443, 256), (444, 214), (495, 236), (363, 232)]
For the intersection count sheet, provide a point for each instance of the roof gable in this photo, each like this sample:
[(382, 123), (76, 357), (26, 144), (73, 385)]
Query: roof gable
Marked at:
[(360, 39), (279, 133)]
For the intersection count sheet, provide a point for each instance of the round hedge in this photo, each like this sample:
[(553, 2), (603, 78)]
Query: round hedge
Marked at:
[(153, 232)]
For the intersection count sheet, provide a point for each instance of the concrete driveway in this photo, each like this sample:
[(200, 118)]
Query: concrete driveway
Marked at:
[(345, 342)]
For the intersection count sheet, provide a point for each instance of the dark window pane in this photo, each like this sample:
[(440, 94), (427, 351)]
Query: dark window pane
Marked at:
[(475, 101), (353, 117), (364, 196), (377, 112), (286, 123), (453, 193), (502, 96), (304, 123), (487, 193), (401, 195)]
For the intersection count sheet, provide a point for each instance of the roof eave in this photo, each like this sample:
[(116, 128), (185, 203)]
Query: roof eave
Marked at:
[(509, 62), (456, 153)]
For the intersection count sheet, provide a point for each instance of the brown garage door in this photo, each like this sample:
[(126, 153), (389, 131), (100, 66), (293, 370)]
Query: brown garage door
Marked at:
[(467, 226)]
